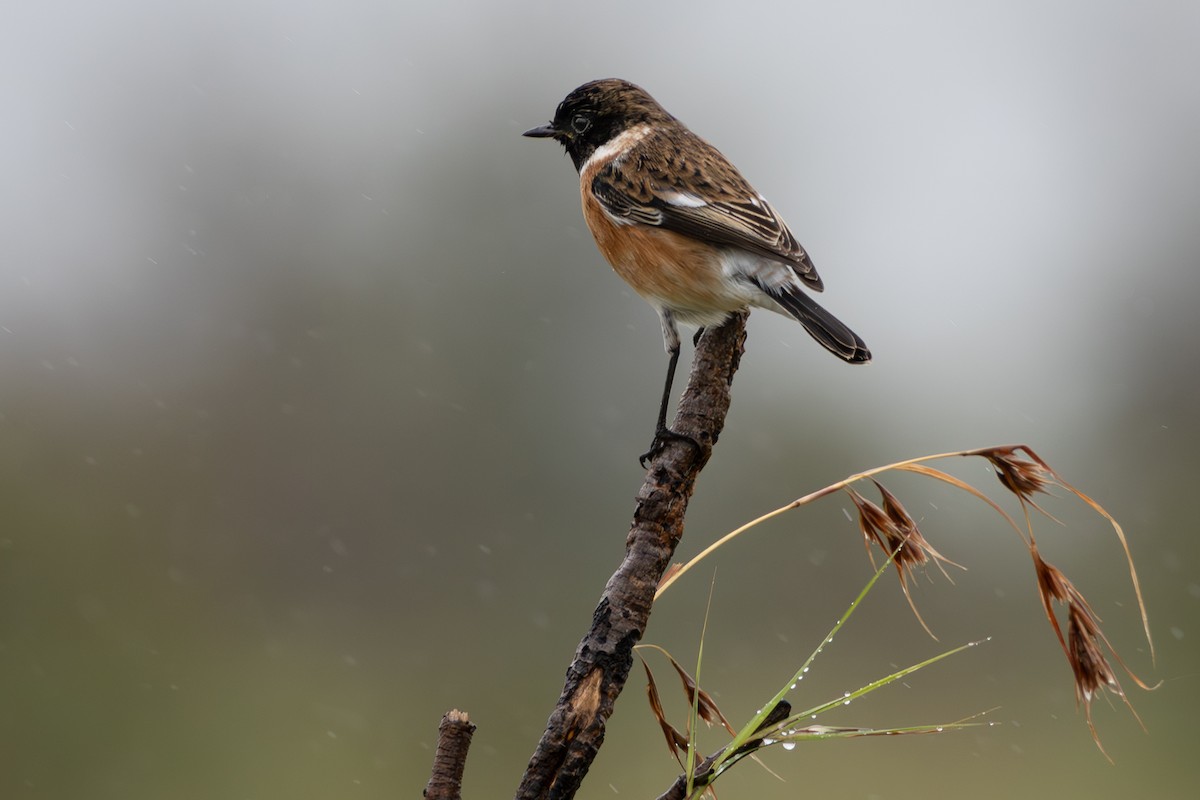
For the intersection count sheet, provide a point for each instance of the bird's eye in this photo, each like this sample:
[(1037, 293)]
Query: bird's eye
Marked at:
[(580, 123)]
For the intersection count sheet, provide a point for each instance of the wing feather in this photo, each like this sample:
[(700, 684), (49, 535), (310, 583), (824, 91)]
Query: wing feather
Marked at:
[(679, 182)]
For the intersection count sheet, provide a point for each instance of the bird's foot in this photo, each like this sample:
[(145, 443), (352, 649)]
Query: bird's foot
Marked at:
[(662, 437)]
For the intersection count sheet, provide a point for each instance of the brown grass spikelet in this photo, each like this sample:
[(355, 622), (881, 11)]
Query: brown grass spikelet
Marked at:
[(1021, 476), (706, 707), (1092, 670), (676, 741), (894, 530), (907, 526), (877, 527), (1084, 643), (1052, 583)]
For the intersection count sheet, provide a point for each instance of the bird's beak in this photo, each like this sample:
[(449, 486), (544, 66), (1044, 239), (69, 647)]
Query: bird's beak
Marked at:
[(546, 131)]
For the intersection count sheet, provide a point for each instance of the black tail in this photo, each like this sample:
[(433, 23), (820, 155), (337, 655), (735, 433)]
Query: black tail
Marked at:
[(827, 329)]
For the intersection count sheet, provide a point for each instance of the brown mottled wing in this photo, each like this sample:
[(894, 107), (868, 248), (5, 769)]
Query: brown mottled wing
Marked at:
[(679, 182)]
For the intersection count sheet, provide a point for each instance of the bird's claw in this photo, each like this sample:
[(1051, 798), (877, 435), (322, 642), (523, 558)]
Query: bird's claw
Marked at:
[(662, 437)]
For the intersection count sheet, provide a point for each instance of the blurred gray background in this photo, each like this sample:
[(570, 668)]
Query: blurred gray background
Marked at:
[(319, 409)]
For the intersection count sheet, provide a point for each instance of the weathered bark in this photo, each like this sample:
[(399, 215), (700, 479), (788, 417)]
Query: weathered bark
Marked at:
[(454, 739), (604, 657)]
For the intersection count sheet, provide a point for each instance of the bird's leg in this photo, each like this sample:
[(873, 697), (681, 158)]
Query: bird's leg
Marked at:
[(663, 434), (661, 425)]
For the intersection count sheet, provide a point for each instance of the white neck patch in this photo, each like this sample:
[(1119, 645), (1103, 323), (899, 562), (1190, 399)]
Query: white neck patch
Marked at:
[(616, 145)]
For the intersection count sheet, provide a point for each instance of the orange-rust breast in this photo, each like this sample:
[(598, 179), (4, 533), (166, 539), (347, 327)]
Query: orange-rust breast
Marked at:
[(665, 267)]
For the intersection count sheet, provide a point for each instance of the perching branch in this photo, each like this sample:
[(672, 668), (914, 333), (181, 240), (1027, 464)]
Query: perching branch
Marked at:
[(454, 739), (604, 657)]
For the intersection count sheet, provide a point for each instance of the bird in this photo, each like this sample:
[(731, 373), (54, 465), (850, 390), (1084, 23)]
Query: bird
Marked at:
[(677, 221)]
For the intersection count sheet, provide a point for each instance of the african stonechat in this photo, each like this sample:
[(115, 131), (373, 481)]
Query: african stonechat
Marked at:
[(679, 223)]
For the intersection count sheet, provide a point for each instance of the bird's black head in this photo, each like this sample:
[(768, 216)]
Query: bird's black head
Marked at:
[(597, 112)]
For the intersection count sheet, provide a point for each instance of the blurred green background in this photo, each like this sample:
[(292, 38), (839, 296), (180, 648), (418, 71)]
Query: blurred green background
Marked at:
[(319, 409)]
